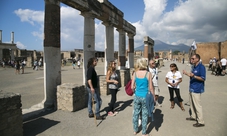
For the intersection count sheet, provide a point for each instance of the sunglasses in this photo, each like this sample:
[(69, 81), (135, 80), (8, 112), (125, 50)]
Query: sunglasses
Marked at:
[(172, 66), (193, 58)]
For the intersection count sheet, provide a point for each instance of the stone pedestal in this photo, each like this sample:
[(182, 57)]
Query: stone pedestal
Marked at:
[(124, 77), (10, 114), (71, 97), (103, 86)]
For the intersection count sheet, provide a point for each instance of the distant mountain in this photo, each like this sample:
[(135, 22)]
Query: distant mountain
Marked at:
[(161, 46)]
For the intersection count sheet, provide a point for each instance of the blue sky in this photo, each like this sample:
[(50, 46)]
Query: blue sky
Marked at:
[(171, 21)]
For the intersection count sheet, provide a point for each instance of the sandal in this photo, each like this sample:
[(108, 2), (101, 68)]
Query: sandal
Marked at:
[(172, 106)]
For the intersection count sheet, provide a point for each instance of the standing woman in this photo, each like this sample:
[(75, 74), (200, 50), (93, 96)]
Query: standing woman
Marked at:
[(92, 88), (141, 84), (173, 79), (112, 79)]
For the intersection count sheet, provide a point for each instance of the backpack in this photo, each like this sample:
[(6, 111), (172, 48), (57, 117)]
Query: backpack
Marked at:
[(128, 89)]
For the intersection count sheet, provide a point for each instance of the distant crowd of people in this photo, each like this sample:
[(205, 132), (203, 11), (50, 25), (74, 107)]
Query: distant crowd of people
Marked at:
[(217, 66)]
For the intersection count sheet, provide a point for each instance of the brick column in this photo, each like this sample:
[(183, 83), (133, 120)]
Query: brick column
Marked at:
[(131, 50), (52, 52), (121, 49), (89, 40), (145, 52), (109, 45)]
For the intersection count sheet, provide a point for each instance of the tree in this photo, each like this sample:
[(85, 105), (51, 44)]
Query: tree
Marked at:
[(176, 52)]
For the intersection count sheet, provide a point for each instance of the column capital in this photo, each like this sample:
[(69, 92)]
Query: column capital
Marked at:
[(57, 2), (88, 14), (130, 35), (107, 23), (120, 30)]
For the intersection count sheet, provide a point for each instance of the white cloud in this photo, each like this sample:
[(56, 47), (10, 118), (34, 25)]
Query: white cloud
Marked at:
[(200, 20), (31, 16), (20, 45)]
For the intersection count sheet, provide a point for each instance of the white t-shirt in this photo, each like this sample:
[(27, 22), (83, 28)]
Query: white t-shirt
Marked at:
[(173, 78), (223, 62), (154, 74)]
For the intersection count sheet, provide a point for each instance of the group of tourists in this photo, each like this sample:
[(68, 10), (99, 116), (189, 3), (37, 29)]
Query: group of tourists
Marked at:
[(144, 84), (217, 66)]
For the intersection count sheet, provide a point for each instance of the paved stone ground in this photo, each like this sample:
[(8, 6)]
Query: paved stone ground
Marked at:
[(168, 122)]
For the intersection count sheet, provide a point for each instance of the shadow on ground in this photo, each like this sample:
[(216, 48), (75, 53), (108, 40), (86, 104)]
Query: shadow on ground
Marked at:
[(33, 127)]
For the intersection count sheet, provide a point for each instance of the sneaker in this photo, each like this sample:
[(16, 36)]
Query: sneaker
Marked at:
[(99, 118), (111, 114)]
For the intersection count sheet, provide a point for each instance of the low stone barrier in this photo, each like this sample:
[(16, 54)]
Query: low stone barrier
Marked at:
[(11, 123), (71, 97)]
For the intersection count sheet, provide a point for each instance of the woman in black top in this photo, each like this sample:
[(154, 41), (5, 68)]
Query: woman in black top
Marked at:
[(92, 88)]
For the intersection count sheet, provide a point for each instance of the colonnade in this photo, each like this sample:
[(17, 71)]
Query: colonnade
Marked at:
[(102, 10)]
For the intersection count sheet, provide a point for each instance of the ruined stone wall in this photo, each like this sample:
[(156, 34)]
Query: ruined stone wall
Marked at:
[(224, 49), (10, 114), (211, 49)]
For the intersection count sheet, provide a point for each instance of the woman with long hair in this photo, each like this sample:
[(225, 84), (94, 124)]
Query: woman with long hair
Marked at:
[(141, 84), (112, 79), (173, 79)]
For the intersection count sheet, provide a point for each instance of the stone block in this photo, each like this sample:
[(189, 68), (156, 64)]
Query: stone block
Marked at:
[(71, 97), (10, 114)]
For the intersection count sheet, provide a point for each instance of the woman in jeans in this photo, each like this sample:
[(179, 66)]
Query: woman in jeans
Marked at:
[(141, 84), (92, 88), (112, 80), (173, 79)]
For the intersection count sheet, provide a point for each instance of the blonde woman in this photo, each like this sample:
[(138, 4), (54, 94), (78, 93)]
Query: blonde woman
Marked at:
[(143, 82), (112, 80)]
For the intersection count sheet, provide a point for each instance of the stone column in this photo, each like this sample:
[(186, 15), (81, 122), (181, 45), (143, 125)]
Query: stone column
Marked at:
[(1, 54), (0, 36), (52, 53), (145, 52), (34, 55), (89, 41), (131, 50), (152, 51), (109, 45), (12, 54), (121, 49), (12, 37)]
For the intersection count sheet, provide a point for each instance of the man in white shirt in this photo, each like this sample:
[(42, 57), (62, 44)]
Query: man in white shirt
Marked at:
[(154, 73), (223, 64)]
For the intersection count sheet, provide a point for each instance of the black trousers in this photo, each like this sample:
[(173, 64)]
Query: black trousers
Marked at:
[(113, 93), (177, 92)]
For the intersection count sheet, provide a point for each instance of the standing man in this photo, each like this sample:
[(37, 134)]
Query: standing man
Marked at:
[(92, 88), (196, 88), (154, 72), (223, 64)]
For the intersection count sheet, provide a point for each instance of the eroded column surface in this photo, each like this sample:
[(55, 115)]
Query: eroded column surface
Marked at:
[(89, 41), (52, 52), (121, 49), (131, 50), (146, 47), (109, 45)]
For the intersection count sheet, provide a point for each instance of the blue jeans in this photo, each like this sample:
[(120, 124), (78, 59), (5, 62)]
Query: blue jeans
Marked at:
[(97, 99), (140, 105)]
